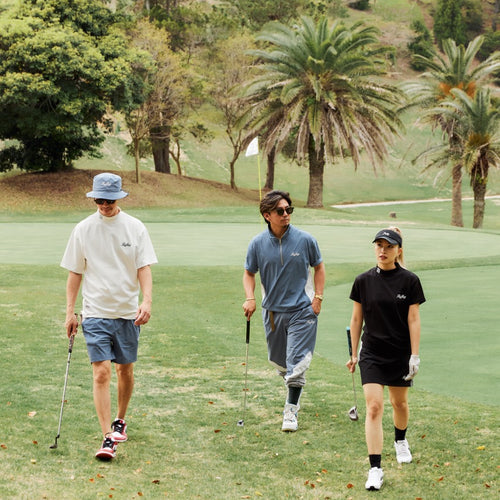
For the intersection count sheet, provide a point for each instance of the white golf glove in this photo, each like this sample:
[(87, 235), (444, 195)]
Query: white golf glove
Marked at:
[(413, 365)]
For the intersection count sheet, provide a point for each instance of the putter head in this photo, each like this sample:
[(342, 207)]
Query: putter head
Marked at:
[(53, 446), (241, 423), (353, 413)]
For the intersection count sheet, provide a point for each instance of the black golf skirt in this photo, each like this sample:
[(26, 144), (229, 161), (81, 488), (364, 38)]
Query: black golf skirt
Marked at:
[(376, 369)]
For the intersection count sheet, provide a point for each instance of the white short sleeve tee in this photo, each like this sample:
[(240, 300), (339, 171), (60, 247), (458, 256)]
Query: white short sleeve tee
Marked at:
[(108, 251)]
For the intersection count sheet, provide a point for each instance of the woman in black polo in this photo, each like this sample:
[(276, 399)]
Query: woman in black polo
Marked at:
[(386, 300)]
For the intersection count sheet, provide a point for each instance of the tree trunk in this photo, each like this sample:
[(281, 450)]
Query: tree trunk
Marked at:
[(479, 177), (231, 169), (316, 170), (137, 162), (271, 162), (161, 156), (456, 196), (160, 143)]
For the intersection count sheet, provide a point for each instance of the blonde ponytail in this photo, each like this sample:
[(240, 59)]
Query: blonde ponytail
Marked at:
[(401, 258)]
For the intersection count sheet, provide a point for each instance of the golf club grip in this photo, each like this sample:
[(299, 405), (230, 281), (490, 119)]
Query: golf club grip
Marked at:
[(348, 331), (248, 332), (71, 342)]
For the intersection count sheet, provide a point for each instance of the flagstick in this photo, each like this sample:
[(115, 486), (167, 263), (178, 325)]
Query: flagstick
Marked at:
[(260, 182)]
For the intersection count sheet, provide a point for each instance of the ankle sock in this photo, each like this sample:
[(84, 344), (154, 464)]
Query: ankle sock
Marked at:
[(399, 435), (375, 460)]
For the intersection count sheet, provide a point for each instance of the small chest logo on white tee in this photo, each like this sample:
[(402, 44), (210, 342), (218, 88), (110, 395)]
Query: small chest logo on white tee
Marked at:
[(125, 244)]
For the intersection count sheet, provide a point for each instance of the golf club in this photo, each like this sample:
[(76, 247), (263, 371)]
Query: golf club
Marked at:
[(241, 422), (70, 350), (353, 412)]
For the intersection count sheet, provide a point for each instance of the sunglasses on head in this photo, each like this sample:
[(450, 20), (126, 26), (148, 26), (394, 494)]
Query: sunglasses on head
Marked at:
[(280, 211), (101, 201)]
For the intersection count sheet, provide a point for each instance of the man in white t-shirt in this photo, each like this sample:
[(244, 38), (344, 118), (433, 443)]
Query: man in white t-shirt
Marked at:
[(111, 252)]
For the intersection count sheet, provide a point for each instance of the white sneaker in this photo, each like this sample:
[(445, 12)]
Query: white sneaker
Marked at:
[(403, 455), (375, 479), (290, 422)]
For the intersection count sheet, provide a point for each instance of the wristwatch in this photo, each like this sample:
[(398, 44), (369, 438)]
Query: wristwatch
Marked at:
[(320, 297)]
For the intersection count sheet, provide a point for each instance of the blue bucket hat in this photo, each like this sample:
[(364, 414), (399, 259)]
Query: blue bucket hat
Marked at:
[(108, 187)]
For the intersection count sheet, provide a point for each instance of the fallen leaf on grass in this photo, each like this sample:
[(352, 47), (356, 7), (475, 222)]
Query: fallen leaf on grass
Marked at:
[(35, 442), (440, 479), (4, 446), (481, 447), (259, 494), (216, 431), (350, 485), (31, 413), (486, 485), (139, 493), (155, 481)]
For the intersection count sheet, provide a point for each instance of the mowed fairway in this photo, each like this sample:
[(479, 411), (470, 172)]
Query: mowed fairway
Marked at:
[(184, 442)]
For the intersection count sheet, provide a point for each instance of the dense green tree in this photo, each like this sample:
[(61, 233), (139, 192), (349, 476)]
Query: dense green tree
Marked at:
[(62, 65), (318, 86), (449, 22), (420, 44), (455, 69)]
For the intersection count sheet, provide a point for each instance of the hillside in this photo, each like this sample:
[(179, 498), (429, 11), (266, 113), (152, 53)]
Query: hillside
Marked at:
[(42, 192)]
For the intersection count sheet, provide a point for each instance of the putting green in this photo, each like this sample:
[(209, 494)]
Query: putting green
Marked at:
[(214, 244)]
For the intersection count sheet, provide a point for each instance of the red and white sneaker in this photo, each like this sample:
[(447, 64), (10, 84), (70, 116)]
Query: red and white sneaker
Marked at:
[(119, 433), (107, 450)]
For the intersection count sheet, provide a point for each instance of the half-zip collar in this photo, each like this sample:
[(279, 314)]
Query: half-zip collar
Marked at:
[(271, 234)]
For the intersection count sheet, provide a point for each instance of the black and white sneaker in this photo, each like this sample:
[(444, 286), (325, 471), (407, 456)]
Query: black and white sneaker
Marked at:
[(107, 450), (119, 433)]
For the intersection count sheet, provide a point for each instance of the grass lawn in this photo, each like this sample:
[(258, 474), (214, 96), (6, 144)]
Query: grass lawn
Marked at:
[(184, 441)]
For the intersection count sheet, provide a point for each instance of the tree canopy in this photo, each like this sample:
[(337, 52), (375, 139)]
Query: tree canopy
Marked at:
[(62, 64)]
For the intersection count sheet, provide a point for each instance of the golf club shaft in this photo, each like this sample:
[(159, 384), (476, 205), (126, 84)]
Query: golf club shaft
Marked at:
[(246, 369), (70, 350)]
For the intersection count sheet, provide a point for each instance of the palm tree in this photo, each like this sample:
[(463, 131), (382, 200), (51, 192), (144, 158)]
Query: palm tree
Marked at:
[(478, 129), (453, 70), (316, 85)]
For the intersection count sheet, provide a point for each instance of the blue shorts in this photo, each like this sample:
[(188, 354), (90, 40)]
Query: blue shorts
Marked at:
[(116, 340)]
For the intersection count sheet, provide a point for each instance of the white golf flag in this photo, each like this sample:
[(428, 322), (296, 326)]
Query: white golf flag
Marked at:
[(253, 147)]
